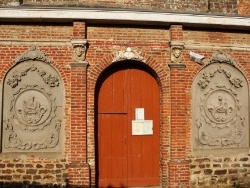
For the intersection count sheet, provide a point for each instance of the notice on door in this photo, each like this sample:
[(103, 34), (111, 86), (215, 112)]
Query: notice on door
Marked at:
[(139, 113), (142, 127)]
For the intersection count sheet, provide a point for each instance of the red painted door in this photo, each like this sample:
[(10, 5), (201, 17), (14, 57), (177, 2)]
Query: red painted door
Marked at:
[(126, 160)]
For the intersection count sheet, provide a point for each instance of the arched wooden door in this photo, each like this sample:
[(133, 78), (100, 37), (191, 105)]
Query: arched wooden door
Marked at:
[(126, 160)]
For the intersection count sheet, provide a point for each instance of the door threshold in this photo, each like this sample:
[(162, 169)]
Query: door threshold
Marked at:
[(145, 187)]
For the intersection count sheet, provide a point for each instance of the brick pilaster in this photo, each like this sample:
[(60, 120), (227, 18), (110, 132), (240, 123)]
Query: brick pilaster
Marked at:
[(79, 175), (176, 33), (178, 165), (179, 173), (178, 116), (79, 30), (78, 168)]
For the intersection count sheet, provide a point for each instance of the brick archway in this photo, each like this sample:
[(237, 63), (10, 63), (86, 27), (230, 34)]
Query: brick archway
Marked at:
[(162, 76)]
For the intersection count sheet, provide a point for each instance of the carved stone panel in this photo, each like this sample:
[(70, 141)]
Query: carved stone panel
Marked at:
[(32, 108), (220, 107)]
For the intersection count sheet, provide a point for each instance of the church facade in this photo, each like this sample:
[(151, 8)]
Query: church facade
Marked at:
[(125, 93)]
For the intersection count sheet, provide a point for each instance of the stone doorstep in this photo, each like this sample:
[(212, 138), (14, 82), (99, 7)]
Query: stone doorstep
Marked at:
[(145, 187)]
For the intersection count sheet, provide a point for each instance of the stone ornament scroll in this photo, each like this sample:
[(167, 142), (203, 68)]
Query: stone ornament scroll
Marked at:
[(220, 97), (127, 54), (32, 105)]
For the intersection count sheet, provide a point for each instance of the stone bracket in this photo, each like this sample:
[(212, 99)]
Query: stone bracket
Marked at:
[(177, 65)]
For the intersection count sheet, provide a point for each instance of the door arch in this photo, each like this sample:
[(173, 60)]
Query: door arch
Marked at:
[(123, 159)]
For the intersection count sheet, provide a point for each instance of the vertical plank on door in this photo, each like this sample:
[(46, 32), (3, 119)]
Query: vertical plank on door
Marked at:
[(111, 131)]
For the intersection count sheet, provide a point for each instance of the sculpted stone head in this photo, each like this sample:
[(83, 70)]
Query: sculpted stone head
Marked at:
[(176, 54)]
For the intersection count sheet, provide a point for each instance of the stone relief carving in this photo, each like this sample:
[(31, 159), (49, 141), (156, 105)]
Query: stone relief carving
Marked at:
[(220, 93), (31, 111), (32, 106), (221, 57), (220, 106), (127, 54), (13, 141), (79, 50), (33, 54), (204, 81), (176, 54), (52, 140), (220, 110), (49, 79)]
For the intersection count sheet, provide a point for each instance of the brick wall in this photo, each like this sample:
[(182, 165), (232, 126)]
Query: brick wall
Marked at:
[(36, 171), (222, 7), (230, 7), (10, 2), (35, 31), (217, 36), (206, 172), (243, 7)]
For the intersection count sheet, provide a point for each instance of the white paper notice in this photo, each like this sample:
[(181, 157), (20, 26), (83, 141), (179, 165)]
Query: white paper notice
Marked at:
[(142, 127), (139, 113)]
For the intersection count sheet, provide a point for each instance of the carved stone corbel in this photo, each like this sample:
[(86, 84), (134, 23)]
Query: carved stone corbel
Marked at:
[(176, 52), (79, 49)]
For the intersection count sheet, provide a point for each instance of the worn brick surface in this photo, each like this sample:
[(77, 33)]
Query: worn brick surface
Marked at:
[(243, 7), (35, 31), (229, 170), (231, 7), (202, 6)]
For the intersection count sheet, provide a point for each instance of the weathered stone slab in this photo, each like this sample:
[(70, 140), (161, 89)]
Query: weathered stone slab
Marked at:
[(32, 105), (220, 107)]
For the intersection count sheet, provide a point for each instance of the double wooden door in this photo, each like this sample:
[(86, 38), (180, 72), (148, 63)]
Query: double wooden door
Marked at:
[(126, 160)]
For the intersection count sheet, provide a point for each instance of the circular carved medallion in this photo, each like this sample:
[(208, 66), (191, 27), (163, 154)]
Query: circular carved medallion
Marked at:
[(220, 106), (32, 107)]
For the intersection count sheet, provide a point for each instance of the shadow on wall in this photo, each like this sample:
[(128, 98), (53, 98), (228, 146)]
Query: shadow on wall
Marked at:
[(36, 185), (31, 185)]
